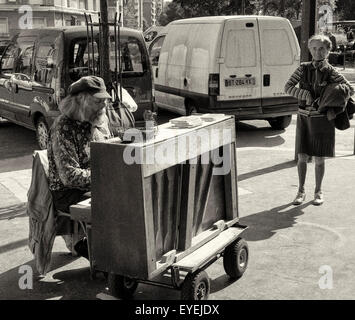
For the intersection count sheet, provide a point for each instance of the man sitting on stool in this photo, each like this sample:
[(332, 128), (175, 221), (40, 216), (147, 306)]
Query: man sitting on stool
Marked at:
[(83, 114)]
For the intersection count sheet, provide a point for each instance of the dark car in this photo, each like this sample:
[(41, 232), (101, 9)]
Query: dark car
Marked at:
[(40, 64)]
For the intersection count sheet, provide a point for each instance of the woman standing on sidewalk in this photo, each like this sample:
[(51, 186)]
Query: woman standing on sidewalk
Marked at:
[(315, 132)]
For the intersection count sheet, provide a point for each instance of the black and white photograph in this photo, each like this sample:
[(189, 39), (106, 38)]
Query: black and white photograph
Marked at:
[(164, 152)]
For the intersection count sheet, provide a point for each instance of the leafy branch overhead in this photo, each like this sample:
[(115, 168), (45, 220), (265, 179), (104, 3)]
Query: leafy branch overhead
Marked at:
[(291, 9)]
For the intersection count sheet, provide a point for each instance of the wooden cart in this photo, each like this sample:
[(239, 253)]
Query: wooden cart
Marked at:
[(162, 211)]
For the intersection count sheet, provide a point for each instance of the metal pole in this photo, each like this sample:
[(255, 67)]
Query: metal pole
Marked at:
[(87, 40), (116, 49), (119, 57), (99, 47), (92, 46), (106, 74)]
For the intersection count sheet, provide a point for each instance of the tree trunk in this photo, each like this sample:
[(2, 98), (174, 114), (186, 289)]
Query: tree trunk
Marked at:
[(282, 8), (308, 26)]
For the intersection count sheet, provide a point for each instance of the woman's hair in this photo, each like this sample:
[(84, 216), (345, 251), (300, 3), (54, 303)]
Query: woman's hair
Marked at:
[(73, 106), (322, 38)]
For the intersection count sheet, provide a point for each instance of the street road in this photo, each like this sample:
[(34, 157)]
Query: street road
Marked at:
[(17, 143)]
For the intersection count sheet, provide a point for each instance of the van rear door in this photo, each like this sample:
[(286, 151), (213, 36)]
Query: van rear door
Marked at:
[(280, 57), (240, 72)]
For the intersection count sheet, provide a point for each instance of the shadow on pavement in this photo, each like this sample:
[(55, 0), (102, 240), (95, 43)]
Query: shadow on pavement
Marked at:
[(63, 285), (254, 136), (264, 225), (13, 245), (25, 141), (14, 211), (221, 283), (259, 172)]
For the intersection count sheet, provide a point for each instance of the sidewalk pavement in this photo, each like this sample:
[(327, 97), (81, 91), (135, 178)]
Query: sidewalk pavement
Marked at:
[(348, 72), (288, 245)]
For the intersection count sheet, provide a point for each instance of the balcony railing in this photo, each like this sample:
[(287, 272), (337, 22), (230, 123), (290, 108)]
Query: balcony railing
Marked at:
[(30, 2)]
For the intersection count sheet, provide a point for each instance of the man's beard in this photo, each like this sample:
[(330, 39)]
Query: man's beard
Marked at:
[(98, 120)]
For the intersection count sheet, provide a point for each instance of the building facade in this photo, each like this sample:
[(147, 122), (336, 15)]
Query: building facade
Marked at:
[(23, 14), (140, 14)]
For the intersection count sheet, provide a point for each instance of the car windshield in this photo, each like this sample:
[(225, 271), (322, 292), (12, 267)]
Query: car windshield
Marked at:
[(83, 61)]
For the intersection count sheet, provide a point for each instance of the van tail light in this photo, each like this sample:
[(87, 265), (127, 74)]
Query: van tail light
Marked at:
[(213, 84)]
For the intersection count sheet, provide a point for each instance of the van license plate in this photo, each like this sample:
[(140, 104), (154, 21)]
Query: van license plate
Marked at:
[(239, 82)]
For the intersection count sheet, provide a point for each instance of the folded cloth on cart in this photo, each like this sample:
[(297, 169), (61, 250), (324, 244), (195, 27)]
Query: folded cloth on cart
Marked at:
[(212, 117), (186, 122)]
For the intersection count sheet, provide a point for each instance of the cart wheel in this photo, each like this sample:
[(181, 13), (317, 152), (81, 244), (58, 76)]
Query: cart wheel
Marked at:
[(196, 286), (235, 258), (121, 287)]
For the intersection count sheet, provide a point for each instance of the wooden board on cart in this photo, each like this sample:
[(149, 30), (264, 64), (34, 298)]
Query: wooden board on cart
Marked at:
[(148, 213)]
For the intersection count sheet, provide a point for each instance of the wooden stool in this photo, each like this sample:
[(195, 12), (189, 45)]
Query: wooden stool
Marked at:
[(81, 214)]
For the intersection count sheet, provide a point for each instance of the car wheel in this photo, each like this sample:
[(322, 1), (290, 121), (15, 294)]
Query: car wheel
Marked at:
[(42, 132), (280, 123)]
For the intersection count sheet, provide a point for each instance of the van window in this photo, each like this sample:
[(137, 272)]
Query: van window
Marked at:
[(241, 49), (78, 59), (44, 73), (24, 61), (277, 48), (133, 58), (154, 51), (9, 57)]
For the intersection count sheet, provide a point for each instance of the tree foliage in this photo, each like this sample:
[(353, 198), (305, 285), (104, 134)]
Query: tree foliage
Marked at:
[(345, 9), (291, 9)]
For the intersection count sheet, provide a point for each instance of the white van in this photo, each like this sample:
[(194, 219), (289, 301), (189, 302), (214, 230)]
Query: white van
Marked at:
[(227, 64)]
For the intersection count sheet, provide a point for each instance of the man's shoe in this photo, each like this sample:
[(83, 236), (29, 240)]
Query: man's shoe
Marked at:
[(318, 198), (300, 197)]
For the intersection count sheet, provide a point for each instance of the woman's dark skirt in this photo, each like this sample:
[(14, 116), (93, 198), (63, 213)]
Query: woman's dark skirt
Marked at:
[(315, 135)]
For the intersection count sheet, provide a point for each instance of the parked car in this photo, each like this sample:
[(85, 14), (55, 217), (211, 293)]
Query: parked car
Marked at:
[(227, 64), (151, 33), (40, 64)]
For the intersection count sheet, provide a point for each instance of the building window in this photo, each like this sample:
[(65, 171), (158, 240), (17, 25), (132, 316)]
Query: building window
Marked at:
[(94, 5), (73, 3), (39, 22), (35, 2), (83, 4), (4, 28)]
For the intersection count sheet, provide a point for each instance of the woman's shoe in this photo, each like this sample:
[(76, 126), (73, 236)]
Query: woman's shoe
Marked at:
[(300, 197), (318, 198)]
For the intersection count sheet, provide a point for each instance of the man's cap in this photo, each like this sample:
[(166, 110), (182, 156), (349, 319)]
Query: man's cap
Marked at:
[(94, 85)]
